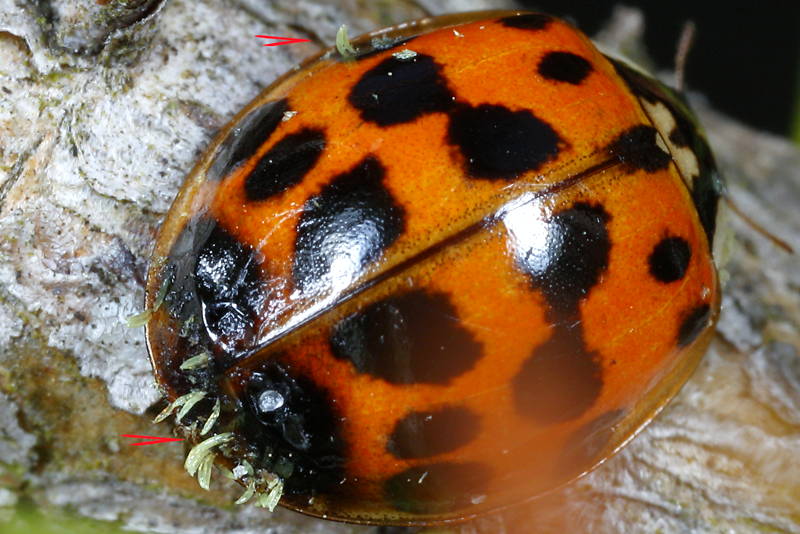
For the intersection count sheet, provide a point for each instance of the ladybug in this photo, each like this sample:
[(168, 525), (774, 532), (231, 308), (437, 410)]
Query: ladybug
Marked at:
[(442, 275)]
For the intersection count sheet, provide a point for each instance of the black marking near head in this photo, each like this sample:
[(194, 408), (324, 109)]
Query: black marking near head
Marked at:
[(685, 132), (425, 434), (244, 139), (401, 90), (641, 85), (437, 488), (708, 186), (678, 137), (670, 259), (693, 324), (706, 195), (231, 290), (499, 144), (564, 67), (637, 149), (347, 225), (300, 436), (560, 380), (569, 261), (407, 339), (527, 21), (285, 165), (584, 446)]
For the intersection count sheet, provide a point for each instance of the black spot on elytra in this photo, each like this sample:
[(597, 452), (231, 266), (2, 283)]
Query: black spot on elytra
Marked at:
[(230, 288), (636, 148), (568, 262), (348, 224), (670, 259), (583, 447), (527, 21), (301, 438), (425, 434), (244, 139), (499, 144), (411, 338), (708, 185), (560, 380), (564, 67), (692, 324), (437, 488), (400, 90), (285, 165)]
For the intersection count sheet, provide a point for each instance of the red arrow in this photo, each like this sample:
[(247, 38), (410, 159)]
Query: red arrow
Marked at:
[(153, 439), (282, 40)]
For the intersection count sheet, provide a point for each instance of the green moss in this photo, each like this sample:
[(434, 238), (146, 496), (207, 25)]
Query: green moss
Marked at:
[(27, 518), (57, 75)]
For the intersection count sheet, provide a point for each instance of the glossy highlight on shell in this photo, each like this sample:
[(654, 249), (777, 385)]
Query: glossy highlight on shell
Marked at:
[(443, 276)]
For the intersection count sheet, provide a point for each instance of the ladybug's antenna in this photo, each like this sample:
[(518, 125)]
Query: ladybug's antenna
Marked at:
[(682, 53), (685, 43), (777, 241)]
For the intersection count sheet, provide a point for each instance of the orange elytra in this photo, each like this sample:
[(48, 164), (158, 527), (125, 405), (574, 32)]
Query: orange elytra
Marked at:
[(441, 277)]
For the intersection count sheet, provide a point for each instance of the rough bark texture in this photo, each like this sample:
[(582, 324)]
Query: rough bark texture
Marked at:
[(104, 108)]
